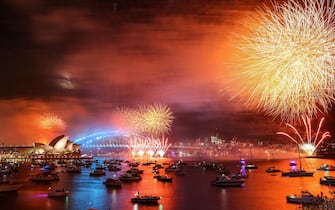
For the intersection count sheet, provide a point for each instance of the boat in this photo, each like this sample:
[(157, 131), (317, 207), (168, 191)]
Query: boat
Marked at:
[(238, 175), (305, 198), (134, 170), (272, 169), (113, 168), (171, 168), (251, 166), (226, 181), (73, 169), (58, 193), (127, 177), (146, 199), (97, 173), (112, 183), (9, 187), (164, 178), (298, 173), (328, 180), (44, 177), (326, 167)]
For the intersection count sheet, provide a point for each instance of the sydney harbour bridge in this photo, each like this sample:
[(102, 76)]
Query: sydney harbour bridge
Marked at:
[(106, 139)]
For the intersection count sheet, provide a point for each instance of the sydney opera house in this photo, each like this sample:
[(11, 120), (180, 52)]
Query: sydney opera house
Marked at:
[(59, 145)]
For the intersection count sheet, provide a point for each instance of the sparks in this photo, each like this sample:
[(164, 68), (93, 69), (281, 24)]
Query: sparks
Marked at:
[(310, 143), (51, 121), (286, 60)]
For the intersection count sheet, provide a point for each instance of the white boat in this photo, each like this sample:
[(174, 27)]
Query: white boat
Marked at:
[(9, 187), (226, 181), (58, 193), (148, 199), (305, 198)]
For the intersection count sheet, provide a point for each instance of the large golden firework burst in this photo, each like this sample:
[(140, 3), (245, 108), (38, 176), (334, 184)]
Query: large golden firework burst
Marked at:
[(286, 59)]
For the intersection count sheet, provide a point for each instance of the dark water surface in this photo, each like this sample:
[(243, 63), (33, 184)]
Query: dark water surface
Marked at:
[(191, 191)]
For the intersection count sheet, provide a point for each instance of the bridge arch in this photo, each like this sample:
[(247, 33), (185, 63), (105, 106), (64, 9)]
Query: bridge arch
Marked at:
[(106, 139)]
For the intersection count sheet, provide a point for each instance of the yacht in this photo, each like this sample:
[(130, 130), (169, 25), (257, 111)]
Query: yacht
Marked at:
[(112, 183), (298, 173), (127, 177), (149, 199), (44, 177), (9, 187), (226, 181), (97, 173), (164, 178), (135, 170), (305, 198), (326, 167), (328, 180)]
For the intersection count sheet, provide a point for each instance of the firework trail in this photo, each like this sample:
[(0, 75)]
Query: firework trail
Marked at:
[(286, 59), (310, 143)]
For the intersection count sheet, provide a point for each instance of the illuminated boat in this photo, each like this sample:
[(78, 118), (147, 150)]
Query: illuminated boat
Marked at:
[(9, 187), (305, 198), (58, 193), (226, 181), (298, 173), (148, 199), (326, 167), (250, 166)]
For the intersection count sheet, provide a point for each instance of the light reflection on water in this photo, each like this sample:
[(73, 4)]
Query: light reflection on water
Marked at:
[(190, 191)]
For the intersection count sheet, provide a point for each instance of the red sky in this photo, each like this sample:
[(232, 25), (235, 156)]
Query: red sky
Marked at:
[(80, 60)]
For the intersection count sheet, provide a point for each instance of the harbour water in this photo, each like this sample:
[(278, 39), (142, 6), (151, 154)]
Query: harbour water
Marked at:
[(192, 191)]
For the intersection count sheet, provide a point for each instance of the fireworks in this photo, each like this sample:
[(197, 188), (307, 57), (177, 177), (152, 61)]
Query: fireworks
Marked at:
[(286, 60), (148, 146), (51, 121), (309, 143), (157, 119), (151, 120)]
